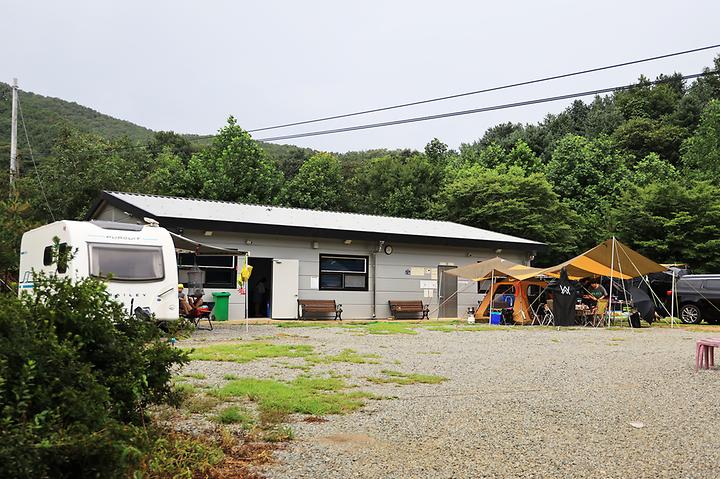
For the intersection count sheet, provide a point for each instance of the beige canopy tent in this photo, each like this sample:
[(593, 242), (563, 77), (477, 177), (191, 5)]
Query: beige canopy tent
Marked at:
[(516, 274), (610, 258), (494, 267)]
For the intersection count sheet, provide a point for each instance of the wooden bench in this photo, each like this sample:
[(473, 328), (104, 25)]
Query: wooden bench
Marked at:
[(314, 307), (409, 307)]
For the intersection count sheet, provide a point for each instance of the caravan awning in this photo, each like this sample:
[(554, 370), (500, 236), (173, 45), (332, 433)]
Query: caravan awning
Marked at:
[(186, 245), (621, 262), (494, 267)]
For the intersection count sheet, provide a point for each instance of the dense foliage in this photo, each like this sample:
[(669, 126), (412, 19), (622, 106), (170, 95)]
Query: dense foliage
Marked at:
[(642, 164), (76, 374)]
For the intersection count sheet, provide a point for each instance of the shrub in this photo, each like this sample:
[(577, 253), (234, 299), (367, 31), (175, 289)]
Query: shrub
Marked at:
[(76, 374)]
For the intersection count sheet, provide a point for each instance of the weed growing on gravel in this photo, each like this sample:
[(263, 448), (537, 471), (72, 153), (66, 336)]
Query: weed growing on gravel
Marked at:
[(278, 434), (195, 375), (200, 403), (345, 356), (230, 377), (249, 351), (399, 378), (306, 395), (235, 415), (384, 327)]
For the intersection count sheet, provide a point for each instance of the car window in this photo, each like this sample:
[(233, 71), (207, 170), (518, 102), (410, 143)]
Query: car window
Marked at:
[(713, 284)]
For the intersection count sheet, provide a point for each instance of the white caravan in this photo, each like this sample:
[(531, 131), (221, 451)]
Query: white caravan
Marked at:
[(137, 262)]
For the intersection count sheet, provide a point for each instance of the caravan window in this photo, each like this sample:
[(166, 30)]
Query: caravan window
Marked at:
[(126, 262)]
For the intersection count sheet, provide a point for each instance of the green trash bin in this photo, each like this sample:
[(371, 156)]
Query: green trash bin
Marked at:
[(222, 302)]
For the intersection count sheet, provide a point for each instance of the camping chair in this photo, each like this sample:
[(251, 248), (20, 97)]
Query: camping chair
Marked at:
[(600, 313), (548, 318)]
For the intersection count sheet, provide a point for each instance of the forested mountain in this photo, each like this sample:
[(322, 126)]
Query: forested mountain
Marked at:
[(642, 164), (46, 117)]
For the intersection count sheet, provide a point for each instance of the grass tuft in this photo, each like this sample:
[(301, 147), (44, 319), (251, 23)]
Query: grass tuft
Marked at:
[(249, 351), (345, 356), (397, 377), (235, 415), (195, 375), (306, 395)]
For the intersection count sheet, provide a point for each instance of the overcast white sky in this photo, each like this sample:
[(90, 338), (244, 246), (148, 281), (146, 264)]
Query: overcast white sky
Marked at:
[(186, 65)]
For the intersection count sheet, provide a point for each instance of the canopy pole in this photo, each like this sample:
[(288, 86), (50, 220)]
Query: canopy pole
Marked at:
[(492, 295), (672, 300), (612, 269)]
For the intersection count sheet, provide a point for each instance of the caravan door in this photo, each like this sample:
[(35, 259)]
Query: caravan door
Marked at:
[(285, 276)]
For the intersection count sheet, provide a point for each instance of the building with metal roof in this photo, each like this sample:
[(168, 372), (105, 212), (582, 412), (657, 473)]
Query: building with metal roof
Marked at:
[(360, 261)]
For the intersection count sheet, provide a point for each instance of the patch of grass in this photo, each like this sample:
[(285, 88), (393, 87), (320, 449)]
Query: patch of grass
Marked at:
[(617, 339), (451, 328), (345, 356), (249, 351), (306, 395), (308, 324), (183, 391), (200, 403), (397, 377), (555, 340), (278, 434), (230, 377), (385, 327), (195, 375), (235, 415)]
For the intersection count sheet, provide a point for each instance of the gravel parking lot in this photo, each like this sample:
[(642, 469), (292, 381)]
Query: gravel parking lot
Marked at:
[(526, 402)]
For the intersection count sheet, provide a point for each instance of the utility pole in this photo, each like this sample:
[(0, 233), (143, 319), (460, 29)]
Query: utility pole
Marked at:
[(14, 169)]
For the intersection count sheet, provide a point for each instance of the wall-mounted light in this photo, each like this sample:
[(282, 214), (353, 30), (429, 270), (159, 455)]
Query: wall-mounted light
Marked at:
[(208, 233), (248, 242), (347, 242), (315, 245), (469, 254), (498, 251)]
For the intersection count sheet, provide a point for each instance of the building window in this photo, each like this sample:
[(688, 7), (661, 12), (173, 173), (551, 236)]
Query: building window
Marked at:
[(343, 273), (219, 270)]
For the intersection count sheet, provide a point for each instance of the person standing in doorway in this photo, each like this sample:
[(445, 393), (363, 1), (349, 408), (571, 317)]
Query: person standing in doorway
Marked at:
[(259, 295)]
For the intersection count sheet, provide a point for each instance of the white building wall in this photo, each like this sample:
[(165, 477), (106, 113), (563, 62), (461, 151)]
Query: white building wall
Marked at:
[(394, 272)]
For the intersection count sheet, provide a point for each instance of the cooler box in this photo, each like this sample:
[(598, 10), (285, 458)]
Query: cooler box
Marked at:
[(495, 317)]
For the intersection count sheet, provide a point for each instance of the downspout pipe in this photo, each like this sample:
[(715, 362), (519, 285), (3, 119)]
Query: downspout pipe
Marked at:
[(374, 278)]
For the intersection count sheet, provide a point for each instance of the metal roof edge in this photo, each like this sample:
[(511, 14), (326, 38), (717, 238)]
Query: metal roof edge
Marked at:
[(235, 226)]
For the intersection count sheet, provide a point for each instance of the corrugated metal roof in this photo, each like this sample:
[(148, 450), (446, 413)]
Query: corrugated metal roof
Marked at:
[(189, 209)]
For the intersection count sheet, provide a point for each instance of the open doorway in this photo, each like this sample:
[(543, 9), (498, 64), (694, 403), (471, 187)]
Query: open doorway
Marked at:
[(260, 288)]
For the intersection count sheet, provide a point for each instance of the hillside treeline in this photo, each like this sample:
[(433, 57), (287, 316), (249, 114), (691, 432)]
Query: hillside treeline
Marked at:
[(641, 164)]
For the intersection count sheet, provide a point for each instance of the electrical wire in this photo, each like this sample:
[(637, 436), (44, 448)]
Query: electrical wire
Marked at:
[(486, 90), (32, 157), (474, 110)]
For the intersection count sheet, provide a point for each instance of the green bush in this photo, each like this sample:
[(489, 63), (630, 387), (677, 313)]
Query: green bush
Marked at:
[(76, 374)]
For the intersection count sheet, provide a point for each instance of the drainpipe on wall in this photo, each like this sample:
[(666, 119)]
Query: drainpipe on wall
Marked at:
[(374, 278)]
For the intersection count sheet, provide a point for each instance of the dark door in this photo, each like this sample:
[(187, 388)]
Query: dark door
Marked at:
[(447, 289)]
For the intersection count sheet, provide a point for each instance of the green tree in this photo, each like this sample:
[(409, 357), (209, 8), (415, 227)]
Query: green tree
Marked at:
[(177, 144), (318, 185), (701, 152), (169, 176), (235, 168), (509, 201), (80, 167), (396, 186), (673, 222), (652, 168), (587, 173)]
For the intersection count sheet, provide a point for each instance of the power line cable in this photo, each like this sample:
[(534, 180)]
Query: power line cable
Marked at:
[(32, 157), (486, 90), (473, 111)]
